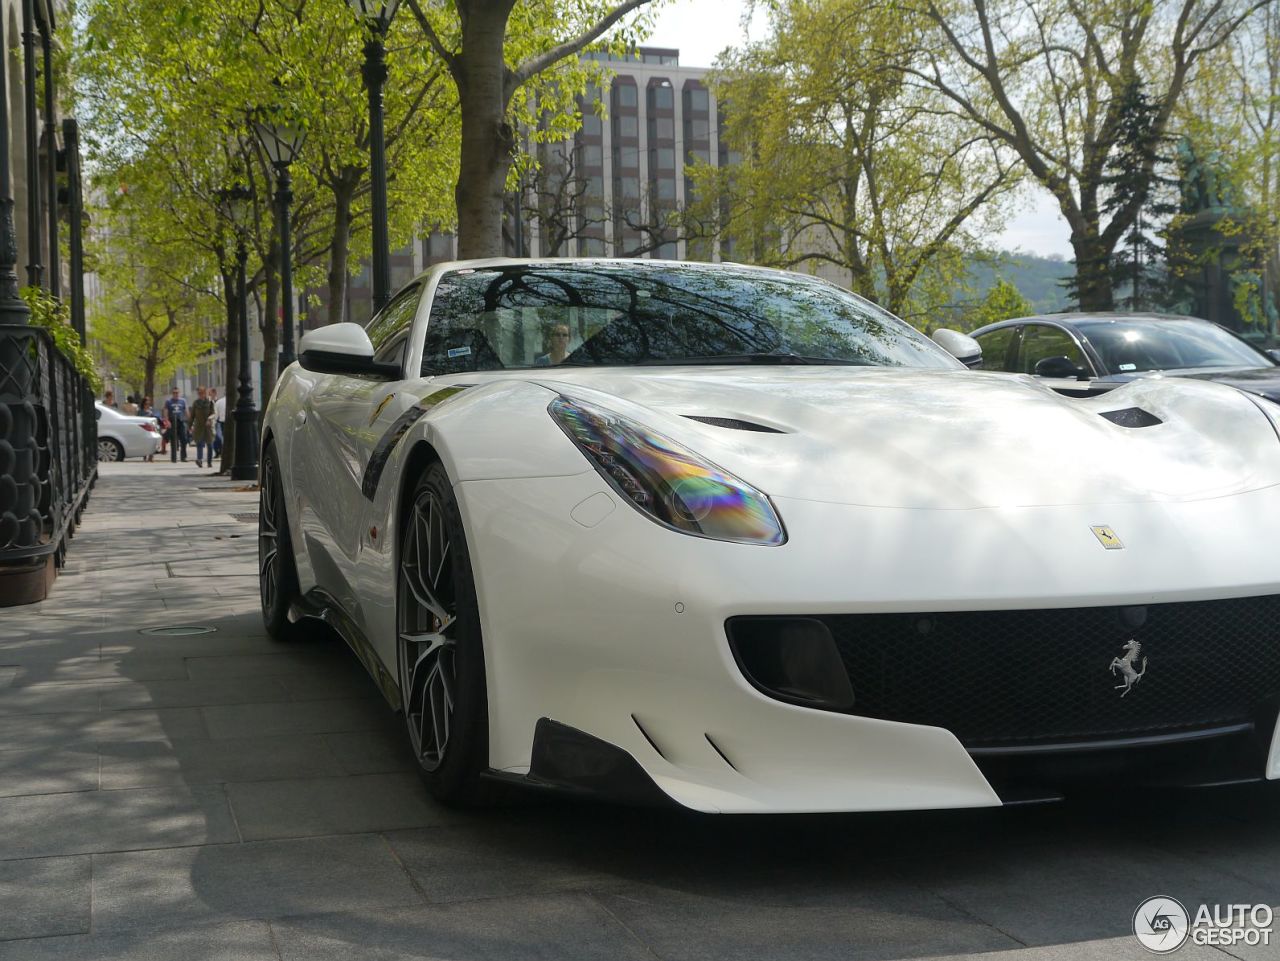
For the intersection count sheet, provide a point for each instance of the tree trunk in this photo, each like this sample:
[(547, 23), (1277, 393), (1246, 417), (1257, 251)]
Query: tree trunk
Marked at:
[(149, 364), (232, 367), (339, 250), (487, 139), (1093, 274)]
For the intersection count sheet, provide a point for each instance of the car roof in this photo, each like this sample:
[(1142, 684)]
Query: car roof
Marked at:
[(1081, 317), (490, 262)]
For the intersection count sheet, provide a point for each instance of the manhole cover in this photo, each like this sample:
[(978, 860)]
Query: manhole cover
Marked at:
[(177, 630), (247, 517)]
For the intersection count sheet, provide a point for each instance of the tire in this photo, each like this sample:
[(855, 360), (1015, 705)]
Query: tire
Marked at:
[(110, 449), (277, 573), (439, 648)]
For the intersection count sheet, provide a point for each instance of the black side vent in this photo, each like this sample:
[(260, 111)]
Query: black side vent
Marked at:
[(1132, 417), (732, 423)]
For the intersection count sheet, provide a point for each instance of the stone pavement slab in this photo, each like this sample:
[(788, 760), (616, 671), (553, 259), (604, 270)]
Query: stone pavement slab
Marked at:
[(551, 928), (245, 941), (85, 822), (231, 882), (305, 807), (43, 897)]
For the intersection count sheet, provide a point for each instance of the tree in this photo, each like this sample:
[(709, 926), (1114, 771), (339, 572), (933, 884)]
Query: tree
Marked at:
[(841, 162), (492, 59), (1048, 79), (157, 312), (1002, 302)]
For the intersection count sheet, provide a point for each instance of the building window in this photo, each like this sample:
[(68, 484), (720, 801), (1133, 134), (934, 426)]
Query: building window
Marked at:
[(662, 128), (666, 188), (662, 97), (664, 158), (697, 154), (591, 247), (628, 127), (591, 125), (626, 95), (592, 155), (595, 186), (699, 129), (699, 102), (628, 157), (630, 187)]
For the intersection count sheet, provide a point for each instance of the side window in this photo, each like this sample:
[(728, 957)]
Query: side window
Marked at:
[(995, 348), (392, 352), (1040, 341), (394, 318)]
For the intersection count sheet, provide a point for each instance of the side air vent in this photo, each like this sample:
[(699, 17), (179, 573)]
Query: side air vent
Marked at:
[(732, 423), (1132, 417)]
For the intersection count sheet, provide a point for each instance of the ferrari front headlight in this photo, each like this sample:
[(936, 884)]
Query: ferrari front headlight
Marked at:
[(666, 481)]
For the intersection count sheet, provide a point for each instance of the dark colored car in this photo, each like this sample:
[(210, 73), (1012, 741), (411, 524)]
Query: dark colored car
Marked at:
[(1090, 353)]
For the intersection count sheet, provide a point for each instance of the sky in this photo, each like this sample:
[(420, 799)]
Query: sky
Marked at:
[(700, 29)]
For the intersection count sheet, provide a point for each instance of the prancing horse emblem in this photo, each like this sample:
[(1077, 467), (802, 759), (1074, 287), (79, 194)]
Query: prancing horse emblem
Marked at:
[(1124, 665)]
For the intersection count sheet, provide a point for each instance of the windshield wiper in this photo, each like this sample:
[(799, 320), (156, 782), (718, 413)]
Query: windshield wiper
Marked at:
[(756, 358)]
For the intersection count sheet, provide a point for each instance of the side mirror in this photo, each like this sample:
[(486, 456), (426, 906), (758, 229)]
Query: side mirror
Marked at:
[(342, 349), (960, 346), (1274, 354), (1060, 368)]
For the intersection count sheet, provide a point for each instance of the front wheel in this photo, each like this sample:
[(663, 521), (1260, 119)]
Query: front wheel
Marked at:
[(277, 575), (441, 656)]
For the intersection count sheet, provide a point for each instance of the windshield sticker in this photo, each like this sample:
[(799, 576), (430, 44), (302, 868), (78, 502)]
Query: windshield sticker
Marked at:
[(459, 352), (1127, 366)]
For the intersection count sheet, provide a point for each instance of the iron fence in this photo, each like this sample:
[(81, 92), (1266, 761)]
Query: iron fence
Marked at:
[(48, 444)]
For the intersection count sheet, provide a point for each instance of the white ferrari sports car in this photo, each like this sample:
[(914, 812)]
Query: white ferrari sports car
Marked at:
[(740, 540)]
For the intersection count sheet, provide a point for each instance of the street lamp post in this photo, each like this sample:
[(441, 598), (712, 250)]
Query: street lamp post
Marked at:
[(377, 16), (282, 142), (244, 466)]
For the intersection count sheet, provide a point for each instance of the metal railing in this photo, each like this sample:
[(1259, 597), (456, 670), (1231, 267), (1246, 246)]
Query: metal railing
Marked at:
[(48, 463)]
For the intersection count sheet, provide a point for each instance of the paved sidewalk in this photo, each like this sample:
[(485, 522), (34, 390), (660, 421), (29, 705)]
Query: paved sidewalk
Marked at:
[(220, 796)]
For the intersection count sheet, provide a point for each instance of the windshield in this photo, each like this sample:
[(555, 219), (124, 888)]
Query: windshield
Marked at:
[(608, 314), (1128, 347)]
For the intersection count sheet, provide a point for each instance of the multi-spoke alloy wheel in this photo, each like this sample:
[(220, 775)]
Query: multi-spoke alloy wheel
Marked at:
[(277, 576), (441, 655), (428, 619), (109, 449), (268, 536)]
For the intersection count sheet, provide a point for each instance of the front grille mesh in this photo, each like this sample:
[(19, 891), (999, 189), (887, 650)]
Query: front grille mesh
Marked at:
[(1017, 678)]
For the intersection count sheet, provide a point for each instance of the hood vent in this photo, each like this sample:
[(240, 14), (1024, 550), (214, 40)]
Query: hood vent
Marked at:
[(1132, 417), (733, 423)]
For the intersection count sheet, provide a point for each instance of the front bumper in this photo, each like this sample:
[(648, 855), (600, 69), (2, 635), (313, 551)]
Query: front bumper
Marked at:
[(614, 626)]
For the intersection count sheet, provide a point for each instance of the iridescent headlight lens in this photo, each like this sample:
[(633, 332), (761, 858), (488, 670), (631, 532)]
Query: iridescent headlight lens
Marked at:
[(667, 481)]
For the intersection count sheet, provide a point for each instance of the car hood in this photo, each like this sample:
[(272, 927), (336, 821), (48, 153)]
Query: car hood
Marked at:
[(1263, 381), (954, 440)]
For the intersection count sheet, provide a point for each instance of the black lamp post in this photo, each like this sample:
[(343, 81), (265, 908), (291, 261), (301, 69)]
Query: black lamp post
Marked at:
[(244, 466), (282, 142), (13, 309), (377, 16)]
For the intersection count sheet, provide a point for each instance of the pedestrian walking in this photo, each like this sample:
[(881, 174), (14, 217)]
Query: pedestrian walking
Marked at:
[(175, 409), (146, 410), (109, 400), (219, 415), (202, 426), (130, 405)]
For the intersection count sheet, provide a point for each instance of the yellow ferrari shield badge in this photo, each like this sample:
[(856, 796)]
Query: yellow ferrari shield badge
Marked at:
[(1107, 537)]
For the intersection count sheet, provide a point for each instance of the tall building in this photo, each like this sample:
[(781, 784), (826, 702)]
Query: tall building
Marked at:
[(610, 191)]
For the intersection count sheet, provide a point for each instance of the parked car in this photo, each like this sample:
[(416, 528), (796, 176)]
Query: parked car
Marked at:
[(1089, 353), (740, 540), (124, 435)]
